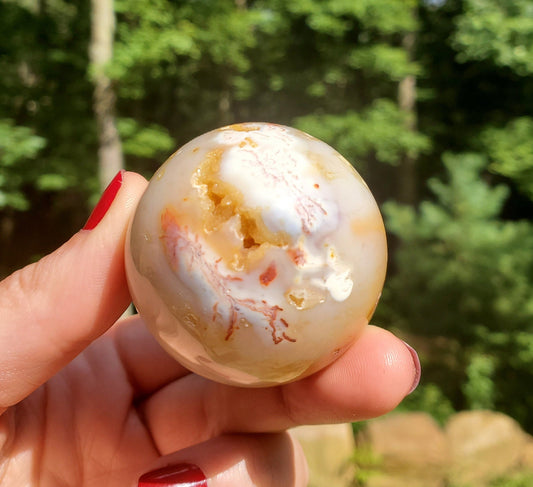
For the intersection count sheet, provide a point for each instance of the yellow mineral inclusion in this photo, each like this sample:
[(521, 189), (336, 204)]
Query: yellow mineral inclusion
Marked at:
[(241, 127), (248, 141), (223, 203), (305, 296)]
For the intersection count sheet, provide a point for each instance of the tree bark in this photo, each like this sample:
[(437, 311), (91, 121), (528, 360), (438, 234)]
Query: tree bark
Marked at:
[(407, 191), (110, 157)]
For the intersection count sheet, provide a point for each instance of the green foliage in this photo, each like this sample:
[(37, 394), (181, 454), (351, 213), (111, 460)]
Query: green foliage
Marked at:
[(510, 148), (428, 397), (17, 146), (479, 390), (521, 479), (158, 39), (151, 33), (518, 479), (17, 143), (337, 16), (44, 87), (367, 464), (381, 129), (203, 64), (497, 30), (144, 141), (383, 60), (464, 274)]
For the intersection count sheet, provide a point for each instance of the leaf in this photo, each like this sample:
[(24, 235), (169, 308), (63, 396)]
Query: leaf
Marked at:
[(52, 182), (380, 129), (510, 149), (17, 143), (145, 141), (383, 59), (498, 31)]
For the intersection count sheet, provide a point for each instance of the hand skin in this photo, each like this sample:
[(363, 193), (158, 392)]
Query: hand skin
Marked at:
[(89, 401)]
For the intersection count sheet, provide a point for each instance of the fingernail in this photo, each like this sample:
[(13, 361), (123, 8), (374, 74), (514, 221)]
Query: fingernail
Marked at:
[(418, 368), (105, 201), (184, 475)]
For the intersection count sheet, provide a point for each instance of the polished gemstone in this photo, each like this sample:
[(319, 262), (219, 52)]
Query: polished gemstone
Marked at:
[(256, 255)]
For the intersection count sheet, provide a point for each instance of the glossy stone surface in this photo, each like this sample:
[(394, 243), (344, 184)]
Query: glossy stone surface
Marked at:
[(256, 255)]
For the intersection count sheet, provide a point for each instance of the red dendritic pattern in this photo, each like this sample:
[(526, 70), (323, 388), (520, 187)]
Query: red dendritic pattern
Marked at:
[(181, 247)]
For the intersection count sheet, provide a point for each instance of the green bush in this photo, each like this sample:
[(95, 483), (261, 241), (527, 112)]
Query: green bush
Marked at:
[(463, 279), (430, 399)]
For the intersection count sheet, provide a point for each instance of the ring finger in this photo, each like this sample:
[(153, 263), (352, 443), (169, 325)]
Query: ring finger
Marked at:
[(261, 460)]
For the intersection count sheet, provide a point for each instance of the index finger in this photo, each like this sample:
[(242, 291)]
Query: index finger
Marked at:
[(51, 310)]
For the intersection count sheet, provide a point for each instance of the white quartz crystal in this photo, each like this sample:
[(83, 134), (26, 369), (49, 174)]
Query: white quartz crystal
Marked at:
[(256, 255)]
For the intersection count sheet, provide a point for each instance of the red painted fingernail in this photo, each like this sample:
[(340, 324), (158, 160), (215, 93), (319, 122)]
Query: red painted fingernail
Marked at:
[(105, 201), (184, 475), (418, 367)]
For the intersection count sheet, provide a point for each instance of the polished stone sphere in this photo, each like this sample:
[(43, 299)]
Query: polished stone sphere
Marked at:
[(256, 255)]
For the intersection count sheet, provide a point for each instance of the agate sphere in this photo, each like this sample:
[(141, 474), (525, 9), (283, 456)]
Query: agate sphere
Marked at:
[(257, 254)]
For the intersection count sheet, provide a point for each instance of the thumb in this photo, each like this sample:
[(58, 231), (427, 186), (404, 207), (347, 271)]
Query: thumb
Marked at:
[(51, 310)]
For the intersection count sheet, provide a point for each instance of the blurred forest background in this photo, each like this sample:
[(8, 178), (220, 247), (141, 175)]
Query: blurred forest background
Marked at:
[(432, 101)]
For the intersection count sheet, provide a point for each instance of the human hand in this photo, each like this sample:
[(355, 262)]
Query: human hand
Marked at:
[(87, 402)]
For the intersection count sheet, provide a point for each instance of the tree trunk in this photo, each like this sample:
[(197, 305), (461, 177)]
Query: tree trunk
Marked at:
[(407, 191), (110, 158)]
